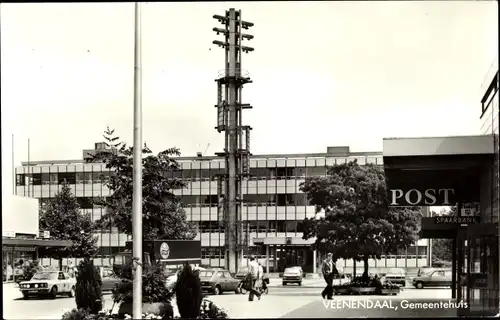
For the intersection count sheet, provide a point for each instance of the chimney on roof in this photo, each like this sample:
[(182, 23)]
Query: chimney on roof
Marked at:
[(199, 154)]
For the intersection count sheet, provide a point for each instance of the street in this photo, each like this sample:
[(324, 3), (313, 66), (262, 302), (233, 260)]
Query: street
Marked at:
[(287, 302)]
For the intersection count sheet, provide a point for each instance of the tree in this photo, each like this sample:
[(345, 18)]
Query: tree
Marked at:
[(88, 294), (63, 219), (163, 214), (442, 249), (358, 222)]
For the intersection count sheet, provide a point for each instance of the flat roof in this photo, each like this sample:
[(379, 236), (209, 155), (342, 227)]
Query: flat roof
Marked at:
[(35, 242), (438, 146), (210, 158)]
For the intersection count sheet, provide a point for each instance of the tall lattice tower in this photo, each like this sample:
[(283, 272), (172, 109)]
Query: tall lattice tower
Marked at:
[(237, 136)]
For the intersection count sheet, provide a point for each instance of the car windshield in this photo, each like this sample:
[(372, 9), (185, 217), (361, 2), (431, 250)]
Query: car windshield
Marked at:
[(206, 274), (45, 276), (293, 269)]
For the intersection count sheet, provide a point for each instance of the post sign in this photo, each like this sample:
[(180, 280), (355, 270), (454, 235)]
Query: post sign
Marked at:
[(427, 197), (456, 220)]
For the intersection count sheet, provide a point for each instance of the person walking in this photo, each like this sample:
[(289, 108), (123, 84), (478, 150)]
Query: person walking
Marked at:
[(253, 276), (328, 268)]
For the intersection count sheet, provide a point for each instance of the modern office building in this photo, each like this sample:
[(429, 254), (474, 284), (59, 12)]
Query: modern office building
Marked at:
[(273, 204)]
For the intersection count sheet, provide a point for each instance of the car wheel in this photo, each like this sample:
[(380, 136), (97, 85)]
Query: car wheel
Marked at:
[(284, 283), (25, 296), (71, 292), (419, 285), (217, 290), (299, 283), (53, 292)]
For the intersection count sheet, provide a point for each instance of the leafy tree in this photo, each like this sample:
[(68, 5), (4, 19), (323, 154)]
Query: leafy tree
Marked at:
[(64, 220), (358, 222), (88, 294), (163, 214), (442, 248)]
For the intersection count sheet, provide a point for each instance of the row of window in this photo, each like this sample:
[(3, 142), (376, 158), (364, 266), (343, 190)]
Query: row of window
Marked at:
[(84, 202), (97, 177), (37, 179), (254, 226), (283, 199)]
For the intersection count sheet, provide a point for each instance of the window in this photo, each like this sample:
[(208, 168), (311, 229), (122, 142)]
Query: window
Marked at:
[(315, 171), (37, 179), (20, 179), (87, 177), (69, 177), (260, 172), (54, 178), (97, 177), (85, 203), (80, 177), (45, 178)]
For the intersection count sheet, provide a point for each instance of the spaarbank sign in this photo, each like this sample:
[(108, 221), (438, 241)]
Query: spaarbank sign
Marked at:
[(427, 197)]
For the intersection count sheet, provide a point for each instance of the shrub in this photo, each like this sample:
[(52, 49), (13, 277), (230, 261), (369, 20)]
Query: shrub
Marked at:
[(88, 295), (76, 314), (153, 287), (30, 269), (188, 293)]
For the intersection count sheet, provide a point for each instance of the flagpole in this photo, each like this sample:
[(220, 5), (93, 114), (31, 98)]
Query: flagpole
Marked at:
[(137, 179)]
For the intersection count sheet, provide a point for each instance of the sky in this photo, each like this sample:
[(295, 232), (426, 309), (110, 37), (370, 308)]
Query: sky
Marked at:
[(324, 74)]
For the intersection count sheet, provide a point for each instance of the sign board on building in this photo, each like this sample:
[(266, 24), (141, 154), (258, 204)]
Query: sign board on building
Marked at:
[(46, 234), (172, 251), (478, 280), (427, 197), (456, 220)]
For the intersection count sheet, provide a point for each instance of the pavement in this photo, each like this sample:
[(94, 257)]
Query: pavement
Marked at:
[(282, 301)]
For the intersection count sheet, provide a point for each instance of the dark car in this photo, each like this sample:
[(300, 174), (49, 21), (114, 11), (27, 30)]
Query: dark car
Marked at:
[(433, 278), (109, 279), (218, 281), (242, 273)]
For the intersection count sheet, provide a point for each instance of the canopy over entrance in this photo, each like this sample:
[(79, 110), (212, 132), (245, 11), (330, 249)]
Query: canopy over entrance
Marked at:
[(436, 171)]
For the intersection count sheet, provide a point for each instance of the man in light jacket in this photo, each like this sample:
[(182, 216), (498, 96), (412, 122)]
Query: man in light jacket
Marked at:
[(253, 276)]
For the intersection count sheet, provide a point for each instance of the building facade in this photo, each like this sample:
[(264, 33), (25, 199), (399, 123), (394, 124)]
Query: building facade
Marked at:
[(272, 211)]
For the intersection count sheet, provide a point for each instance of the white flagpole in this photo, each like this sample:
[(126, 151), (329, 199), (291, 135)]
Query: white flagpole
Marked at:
[(137, 179)]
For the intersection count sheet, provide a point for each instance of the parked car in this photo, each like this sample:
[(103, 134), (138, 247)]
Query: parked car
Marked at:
[(48, 283), (242, 273), (396, 276), (293, 275), (433, 278), (109, 279), (218, 281), (172, 278)]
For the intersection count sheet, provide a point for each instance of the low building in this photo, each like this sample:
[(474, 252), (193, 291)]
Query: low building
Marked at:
[(20, 235)]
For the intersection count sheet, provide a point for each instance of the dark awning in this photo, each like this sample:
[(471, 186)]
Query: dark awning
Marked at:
[(437, 170), (35, 242)]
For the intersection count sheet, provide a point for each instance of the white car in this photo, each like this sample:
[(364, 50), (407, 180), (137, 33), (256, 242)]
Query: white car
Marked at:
[(50, 283), (171, 280)]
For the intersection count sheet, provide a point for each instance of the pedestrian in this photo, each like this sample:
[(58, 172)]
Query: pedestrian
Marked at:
[(253, 275), (329, 270)]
